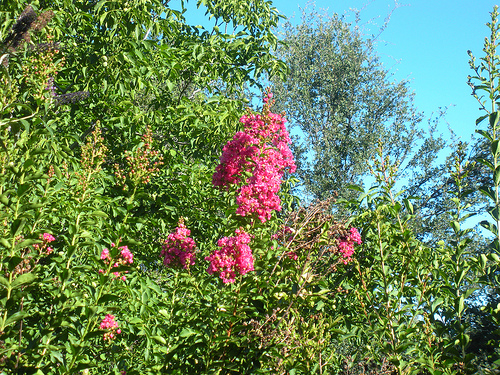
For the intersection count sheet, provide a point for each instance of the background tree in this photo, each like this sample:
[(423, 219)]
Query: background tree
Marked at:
[(341, 101)]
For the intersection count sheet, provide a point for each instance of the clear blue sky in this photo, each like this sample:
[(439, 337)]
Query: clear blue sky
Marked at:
[(426, 41)]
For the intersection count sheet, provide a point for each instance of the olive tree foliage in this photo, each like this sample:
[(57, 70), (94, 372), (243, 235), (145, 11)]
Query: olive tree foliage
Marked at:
[(342, 101), (433, 186)]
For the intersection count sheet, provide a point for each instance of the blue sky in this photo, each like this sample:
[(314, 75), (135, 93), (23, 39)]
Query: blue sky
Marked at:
[(426, 42)]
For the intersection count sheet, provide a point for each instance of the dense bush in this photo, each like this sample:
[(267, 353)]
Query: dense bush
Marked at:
[(145, 230)]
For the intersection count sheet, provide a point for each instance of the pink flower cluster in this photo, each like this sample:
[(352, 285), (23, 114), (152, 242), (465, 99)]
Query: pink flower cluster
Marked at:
[(44, 248), (235, 256), (124, 257), (346, 245), (178, 250), (47, 237), (255, 161), (111, 326)]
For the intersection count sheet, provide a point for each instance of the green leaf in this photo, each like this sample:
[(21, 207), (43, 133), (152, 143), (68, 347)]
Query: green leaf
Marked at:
[(160, 340), (186, 332), (320, 305), (494, 147), (478, 121), (355, 187), (486, 163), (5, 243), (438, 301), (494, 213), (25, 278), (26, 243), (99, 214), (469, 292), (408, 205), (496, 175), (489, 226), (16, 226), (130, 242), (59, 186), (15, 317), (460, 275), (165, 313), (93, 334), (107, 298), (57, 171), (22, 189), (494, 117), (460, 304), (483, 260), (494, 257), (5, 282), (488, 192), (86, 234), (4, 199)]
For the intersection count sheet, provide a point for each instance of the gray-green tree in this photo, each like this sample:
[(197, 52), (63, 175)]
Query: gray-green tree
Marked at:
[(343, 101)]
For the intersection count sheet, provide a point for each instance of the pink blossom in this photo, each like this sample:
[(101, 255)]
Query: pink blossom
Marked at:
[(105, 254), (355, 236), (346, 245), (43, 248), (116, 274), (179, 248), (347, 249), (109, 322), (124, 257), (48, 238), (111, 326), (254, 163), (268, 97), (235, 256)]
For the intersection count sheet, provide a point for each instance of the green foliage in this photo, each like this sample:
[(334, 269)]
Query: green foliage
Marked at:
[(112, 119), (414, 306)]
